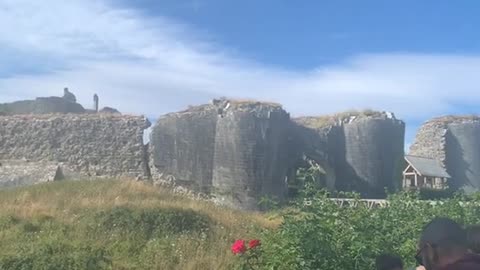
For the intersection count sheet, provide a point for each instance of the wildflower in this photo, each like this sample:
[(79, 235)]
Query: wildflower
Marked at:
[(239, 247), (254, 243)]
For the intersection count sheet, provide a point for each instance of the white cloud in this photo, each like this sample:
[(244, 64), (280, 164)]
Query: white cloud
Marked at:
[(155, 66)]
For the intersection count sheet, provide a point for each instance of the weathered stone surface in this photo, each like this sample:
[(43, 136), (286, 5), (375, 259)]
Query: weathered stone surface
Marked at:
[(182, 146), (365, 150), (44, 105), (430, 141), (14, 173), (109, 110), (251, 158), (317, 144), (454, 141), (92, 144), (235, 150), (374, 151)]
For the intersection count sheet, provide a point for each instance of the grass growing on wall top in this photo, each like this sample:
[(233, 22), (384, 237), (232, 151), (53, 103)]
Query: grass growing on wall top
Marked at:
[(116, 225), (324, 121)]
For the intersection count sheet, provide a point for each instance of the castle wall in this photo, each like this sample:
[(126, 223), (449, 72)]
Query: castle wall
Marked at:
[(237, 151), (43, 105), (234, 151), (15, 173), (313, 144), (430, 141), (182, 147), (251, 157), (463, 155), (373, 154), (364, 150), (91, 144), (453, 140)]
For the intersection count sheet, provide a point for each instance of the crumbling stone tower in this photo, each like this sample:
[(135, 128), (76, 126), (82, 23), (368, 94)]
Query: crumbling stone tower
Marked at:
[(454, 142), (234, 150), (364, 150)]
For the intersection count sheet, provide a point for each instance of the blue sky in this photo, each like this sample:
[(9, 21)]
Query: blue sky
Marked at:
[(309, 33), (419, 59)]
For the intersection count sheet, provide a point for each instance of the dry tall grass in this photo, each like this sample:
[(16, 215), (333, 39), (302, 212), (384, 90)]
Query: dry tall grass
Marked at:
[(67, 202)]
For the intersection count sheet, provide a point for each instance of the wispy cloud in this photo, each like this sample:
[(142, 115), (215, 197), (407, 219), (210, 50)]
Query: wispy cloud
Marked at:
[(154, 66)]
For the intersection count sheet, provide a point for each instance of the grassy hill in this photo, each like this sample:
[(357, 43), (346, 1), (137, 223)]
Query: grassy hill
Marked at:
[(132, 225), (117, 225)]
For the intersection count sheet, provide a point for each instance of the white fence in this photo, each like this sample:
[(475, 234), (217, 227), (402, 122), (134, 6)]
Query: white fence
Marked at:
[(373, 203)]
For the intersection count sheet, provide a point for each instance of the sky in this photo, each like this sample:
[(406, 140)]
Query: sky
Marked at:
[(418, 59)]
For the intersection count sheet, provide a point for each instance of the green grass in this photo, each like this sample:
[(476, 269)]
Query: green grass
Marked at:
[(117, 225), (319, 122), (454, 118)]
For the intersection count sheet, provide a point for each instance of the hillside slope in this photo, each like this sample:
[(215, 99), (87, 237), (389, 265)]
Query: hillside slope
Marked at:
[(116, 225)]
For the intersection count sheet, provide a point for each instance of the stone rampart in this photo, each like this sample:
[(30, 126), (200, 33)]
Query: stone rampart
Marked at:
[(365, 149), (42, 105), (430, 141), (234, 150), (182, 147), (14, 173), (454, 141), (97, 145), (251, 157)]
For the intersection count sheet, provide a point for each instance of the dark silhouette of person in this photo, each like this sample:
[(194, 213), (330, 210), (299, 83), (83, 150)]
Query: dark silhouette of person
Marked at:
[(388, 262), (473, 238), (443, 246)]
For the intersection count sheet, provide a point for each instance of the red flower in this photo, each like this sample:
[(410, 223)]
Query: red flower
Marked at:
[(239, 247), (254, 243)]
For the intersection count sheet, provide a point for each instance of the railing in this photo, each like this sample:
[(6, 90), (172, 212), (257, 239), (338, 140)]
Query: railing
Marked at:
[(369, 203), (374, 203)]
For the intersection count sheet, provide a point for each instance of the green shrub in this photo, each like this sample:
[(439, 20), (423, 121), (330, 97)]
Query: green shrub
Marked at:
[(433, 194), (321, 235)]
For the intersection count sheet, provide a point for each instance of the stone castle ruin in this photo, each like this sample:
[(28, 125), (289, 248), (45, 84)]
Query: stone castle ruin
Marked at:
[(52, 105), (52, 138), (454, 142), (360, 151), (237, 151)]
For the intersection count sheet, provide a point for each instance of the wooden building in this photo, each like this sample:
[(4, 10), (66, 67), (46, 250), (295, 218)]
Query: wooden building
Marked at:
[(424, 173)]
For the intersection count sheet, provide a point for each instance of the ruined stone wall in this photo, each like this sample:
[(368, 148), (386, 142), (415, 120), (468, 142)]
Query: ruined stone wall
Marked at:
[(365, 149), (453, 140), (430, 141), (314, 144), (182, 146), (43, 105), (236, 151), (463, 154), (15, 173), (374, 150), (251, 157), (101, 145)]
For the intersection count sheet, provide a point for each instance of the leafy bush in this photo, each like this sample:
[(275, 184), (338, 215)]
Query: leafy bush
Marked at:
[(433, 194), (321, 235)]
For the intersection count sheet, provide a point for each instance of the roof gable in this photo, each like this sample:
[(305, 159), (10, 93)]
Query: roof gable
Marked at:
[(427, 166)]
